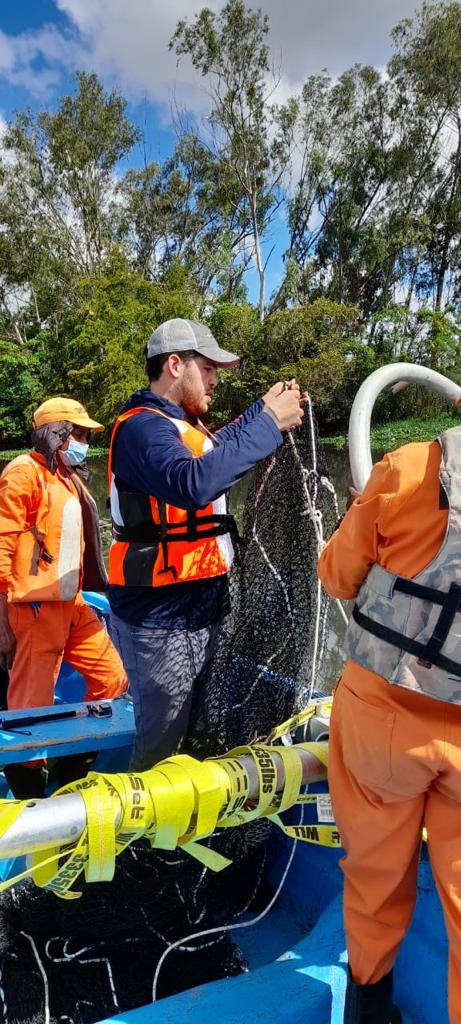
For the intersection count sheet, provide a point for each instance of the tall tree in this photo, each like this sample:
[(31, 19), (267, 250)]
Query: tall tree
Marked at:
[(180, 211), (375, 215), (336, 209), (425, 69), (57, 190), (247, 134)]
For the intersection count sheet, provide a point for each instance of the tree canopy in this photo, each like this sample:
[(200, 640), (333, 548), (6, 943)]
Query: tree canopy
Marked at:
[(364, 170)]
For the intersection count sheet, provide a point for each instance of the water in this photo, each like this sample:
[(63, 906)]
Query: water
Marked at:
[(340, 475), (337, 461)]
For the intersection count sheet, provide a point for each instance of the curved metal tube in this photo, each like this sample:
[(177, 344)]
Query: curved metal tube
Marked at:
[(399, 374), (62, 819)]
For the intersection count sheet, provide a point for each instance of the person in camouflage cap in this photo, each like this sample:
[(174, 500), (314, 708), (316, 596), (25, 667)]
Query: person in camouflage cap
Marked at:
[(395, 742)]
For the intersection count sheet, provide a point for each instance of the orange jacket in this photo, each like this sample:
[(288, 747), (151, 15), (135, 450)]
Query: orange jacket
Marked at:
[(396, 522), (41, 533), (156, 544)]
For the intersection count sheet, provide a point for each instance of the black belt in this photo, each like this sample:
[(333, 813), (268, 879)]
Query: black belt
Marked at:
[(191, 530)]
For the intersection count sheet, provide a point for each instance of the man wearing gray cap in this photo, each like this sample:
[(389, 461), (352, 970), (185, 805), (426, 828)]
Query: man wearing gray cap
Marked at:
[(172, 535)]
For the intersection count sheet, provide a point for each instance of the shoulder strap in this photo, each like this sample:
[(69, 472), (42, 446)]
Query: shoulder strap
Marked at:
[(124, 416)]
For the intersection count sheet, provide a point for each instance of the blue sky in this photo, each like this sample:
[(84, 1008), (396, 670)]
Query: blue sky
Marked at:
[(42, 43)]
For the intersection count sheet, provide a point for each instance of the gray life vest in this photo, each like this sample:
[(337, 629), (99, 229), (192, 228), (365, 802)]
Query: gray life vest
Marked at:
[(409, 630)]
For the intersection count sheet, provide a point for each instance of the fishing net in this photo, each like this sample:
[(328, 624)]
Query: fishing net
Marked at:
[(270, 649), (81, 961)]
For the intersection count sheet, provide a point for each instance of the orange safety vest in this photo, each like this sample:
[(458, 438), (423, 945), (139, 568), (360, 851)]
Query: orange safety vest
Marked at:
[(46, 564), (156, 544)]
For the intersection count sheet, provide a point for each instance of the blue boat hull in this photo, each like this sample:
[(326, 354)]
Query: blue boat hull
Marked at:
[(299, 978), (296, 954)]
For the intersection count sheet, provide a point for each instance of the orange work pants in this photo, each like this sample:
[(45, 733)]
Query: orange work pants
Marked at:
[(57, 630), (395, 765)]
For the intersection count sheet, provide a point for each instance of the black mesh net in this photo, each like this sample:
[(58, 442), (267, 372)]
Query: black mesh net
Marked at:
[(81, 961), (270, 647)]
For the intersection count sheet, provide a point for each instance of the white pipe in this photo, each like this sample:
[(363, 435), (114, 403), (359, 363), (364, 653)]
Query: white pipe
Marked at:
[(360, 418), (62, 819)]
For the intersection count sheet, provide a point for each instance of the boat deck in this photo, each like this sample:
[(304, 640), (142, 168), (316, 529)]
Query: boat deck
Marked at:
[(49, 738), (298, 977)]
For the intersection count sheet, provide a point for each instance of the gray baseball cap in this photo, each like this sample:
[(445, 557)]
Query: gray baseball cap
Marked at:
[(179, 335)]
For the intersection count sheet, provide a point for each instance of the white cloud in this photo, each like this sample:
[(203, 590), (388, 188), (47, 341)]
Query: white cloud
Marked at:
[(48, 47), (131, 40), (127, 43)]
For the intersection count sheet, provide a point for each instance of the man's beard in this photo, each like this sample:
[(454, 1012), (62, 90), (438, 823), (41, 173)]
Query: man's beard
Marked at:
[(193, 405)]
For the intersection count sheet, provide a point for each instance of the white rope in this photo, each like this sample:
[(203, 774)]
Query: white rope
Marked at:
[(316, 517), (227, 927), (315, 514), (46, 991)]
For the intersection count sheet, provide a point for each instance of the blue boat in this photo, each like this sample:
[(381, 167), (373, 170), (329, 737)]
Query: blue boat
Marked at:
[(296, 951)]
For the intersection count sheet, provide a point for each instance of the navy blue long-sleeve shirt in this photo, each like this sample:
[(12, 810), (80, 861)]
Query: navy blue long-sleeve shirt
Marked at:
[(151, 458)]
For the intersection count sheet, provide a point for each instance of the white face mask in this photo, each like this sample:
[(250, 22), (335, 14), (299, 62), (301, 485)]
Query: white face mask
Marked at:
[(75, 454)]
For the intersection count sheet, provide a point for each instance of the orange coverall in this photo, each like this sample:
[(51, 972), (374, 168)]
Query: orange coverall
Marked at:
[(394, 755), (51, 630)]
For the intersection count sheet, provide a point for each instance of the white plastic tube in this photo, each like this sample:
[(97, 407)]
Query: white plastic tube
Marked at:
[(399, 374)]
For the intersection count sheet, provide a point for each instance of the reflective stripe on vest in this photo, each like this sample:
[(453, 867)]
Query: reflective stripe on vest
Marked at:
[(409, 636), (156, 544), (46, 564)]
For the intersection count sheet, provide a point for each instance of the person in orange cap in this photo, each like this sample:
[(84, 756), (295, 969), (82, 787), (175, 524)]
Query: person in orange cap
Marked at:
[(49, 549)]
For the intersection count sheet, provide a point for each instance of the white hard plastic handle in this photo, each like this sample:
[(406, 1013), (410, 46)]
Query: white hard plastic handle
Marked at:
[(360, 419)]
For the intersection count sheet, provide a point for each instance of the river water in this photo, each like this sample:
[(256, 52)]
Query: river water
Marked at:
[(340, 476)]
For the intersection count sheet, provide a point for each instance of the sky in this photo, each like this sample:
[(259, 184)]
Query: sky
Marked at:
[(42, 43)]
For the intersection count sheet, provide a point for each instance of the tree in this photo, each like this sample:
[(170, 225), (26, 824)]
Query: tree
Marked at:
[(56, 198), (376, 209), (102, 353), (426, 70), (22, 387), (336, 213), (249, 138), (180, 211)]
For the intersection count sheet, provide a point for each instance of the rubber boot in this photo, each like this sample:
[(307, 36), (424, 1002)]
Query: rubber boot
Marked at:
[(25, 783), (370, 1004)]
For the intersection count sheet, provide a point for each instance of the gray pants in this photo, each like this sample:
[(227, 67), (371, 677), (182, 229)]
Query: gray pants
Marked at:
[(162, 666)]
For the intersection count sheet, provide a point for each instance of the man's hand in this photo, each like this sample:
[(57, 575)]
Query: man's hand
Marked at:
[(284, 385), (274, 391), (284, 405), (7, 637)]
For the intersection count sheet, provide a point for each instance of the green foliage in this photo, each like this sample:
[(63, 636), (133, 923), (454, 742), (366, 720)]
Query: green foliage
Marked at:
[(378, 200), (308, 331), (419, 335), (21, 387), (389, 436), (239, 388), (56, 203), (103, 352), (308, 342), (92, 257), (237, 328), (251, 139)]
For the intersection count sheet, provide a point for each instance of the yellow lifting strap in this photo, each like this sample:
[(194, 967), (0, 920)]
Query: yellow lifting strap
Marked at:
[(301, 718), (177, 803)]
